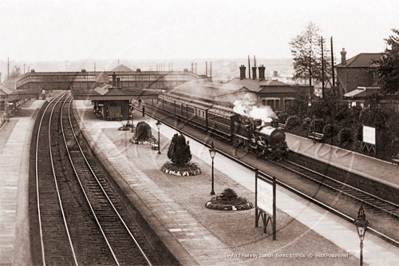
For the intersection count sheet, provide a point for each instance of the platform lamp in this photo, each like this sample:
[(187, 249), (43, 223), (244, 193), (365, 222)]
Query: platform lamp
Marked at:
[(212, 152), (361, 226), (132, 118), (159, 136)]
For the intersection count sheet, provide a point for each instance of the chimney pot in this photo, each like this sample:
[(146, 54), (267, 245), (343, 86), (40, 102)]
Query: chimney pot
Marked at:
[(343, 56), (242, 72), (254, 73), (262, 72)]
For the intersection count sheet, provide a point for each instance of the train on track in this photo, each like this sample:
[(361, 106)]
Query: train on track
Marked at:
[(262, 138)]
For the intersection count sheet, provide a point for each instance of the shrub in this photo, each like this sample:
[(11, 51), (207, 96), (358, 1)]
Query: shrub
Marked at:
[(345, 134), (282, 117), (317, 125), (292, 122), (343, 113), (179, 151), (329, 131), (359, 133), (228, 194), (305, 124)]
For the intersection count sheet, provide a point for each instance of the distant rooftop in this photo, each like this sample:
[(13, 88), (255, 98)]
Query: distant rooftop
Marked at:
[(121, 68), (362, 60)]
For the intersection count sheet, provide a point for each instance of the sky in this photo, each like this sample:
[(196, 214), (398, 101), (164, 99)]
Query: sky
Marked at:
[(183, 29)]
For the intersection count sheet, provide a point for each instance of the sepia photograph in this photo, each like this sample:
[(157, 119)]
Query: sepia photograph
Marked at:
[(199, 132)]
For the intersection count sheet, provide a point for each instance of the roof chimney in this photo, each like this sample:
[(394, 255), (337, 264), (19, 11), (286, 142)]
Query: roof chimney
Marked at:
[(254, 72), (343, 57), (242, 72), (113, 79), (262, 72)]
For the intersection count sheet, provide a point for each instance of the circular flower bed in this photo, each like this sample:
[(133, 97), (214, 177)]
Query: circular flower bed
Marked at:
[(188, 169), (217, 203), (144, 142)]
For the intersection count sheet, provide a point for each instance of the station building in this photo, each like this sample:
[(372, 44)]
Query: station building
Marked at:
[(262, 91)]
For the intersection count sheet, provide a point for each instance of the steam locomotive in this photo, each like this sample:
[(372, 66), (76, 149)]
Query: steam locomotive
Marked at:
[(252, 135)]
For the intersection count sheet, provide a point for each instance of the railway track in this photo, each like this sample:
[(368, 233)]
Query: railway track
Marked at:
[(365, 198), (81, 219), (383, 214)]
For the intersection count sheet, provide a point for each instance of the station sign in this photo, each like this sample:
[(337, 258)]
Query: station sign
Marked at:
[(369, 135), (265, 201), (265, 196)]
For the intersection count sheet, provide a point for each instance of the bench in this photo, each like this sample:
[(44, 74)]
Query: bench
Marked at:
[(316, 136), (395, 159)]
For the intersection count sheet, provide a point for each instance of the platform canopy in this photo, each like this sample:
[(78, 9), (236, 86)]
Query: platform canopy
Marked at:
[(107, 92)]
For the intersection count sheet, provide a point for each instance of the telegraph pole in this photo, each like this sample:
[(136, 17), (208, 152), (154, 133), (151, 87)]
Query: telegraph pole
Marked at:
[(332, 65), (322, 67)]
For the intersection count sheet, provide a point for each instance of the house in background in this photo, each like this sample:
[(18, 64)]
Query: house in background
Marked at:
[(358, 71)]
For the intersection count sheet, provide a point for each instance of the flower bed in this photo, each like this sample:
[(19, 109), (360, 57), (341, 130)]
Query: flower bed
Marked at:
[(189, 169), (216, 203), (145, 142)]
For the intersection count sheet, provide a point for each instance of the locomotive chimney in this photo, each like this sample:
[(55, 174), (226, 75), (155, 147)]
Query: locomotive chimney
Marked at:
[(261, 72), (242, 72), (343, 56)]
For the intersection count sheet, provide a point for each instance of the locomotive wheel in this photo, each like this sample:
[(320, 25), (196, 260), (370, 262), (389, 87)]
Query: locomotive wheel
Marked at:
[(260, 151), (236, 141), (246, 147)]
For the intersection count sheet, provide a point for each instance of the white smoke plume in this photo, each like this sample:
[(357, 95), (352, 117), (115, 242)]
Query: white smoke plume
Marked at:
[(247, 107)]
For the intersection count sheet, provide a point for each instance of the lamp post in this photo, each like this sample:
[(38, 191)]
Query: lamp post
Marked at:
[(212, 152), (361, 226), (159, 136), (131, 113)]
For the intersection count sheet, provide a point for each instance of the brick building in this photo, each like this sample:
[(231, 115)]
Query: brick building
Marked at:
[(358, 71)]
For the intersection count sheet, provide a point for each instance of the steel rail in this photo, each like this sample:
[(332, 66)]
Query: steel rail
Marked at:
[(54, 100), (102, 189), (341, 191), (57, 189), (282, 184)]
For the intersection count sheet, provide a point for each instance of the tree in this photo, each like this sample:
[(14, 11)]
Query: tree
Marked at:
[(306, 52), (388, 70), (16, 72), (299, 105)]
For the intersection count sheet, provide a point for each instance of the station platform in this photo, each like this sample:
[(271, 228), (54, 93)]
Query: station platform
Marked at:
[(306, 233), (372, 168), (15, 137)]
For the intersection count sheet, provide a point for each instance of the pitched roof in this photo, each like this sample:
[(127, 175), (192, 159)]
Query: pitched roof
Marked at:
[(121, 68), (253, 85), (362, 60), (5, 89)]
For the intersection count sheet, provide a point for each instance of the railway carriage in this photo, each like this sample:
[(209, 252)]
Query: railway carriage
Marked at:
[(252, 135)]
